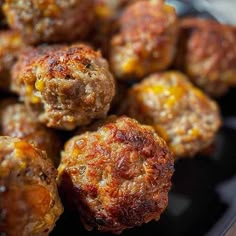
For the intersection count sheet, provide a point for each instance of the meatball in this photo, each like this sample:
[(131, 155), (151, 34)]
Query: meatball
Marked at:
[(50, 20), (118, 176), (64, 86), (10, 44), (146, 40), (207, 54), (17, 122), (29, 201), (180, 113)]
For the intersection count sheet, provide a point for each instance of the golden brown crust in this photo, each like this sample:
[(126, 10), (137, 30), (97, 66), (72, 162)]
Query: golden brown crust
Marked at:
[(118, 176), (50, 20), (64, 86), (146, 40), (17, 122), (181, 114), (29, 202), (26, 56), (10, 44), (207, 53)]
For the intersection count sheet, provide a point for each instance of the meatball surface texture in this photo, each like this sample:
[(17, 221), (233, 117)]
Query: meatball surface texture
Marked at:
[(117, 176), (50, 20), (180, 113), (64, 86)]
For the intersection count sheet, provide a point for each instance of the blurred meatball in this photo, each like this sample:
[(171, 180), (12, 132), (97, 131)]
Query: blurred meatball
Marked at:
[(207, 54), (110, 9), (29, 201), (118, 176), (107, 9), (50, 20), (64, 86), (146, 40), (106, 13), (10, 44), (17, 122), (180, 113)]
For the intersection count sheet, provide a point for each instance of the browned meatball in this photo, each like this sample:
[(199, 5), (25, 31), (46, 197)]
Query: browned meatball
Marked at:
[(10, 44), (50, 20), (17, 122), (118, 176), (64, 86), (207, 54), (146, 40), (180, 113), (29, 201)]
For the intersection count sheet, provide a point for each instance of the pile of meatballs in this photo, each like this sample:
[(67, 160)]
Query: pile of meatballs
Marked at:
[(98, 99)]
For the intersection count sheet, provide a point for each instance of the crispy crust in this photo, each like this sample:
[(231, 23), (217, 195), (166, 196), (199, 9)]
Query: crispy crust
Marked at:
[(26, 57), (64, 86), (146, 40), (118, 176), (207, 53), (50, 20), (17, 122), (181, 114), (29, 202), (10, 44)]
